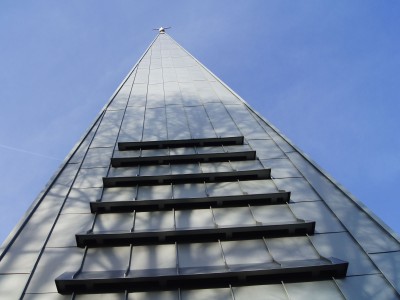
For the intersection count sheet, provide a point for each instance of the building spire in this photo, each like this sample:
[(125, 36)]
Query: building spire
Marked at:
[(161, 29)]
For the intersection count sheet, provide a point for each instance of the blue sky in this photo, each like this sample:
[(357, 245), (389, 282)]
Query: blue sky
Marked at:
[(326, 73)]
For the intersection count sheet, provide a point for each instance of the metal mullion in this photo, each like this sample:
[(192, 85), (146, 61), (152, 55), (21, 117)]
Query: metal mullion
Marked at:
[(232, 293), (128, 268), (147, 93), (81, 265), (208, 117), (137, 192), (213, 217), (233, 169), (277, 188), (173, 211), (241, 188), (94, 221), (177, 258), (172, 191), (290, 209), (338, 287), (165, 103), (134, 221), (223, 255), (206, 189), (286, 292), (315, 248), (269, 252), (254, 218), (201, 169)]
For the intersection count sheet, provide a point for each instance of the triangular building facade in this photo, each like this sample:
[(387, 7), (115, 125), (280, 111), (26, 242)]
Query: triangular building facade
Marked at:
[(179, 190)]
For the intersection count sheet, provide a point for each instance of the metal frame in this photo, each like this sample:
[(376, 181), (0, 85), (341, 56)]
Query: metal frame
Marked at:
[(205, 142), (201, 277), (194, 235), (187, 178), (190, 203), (182, 159)]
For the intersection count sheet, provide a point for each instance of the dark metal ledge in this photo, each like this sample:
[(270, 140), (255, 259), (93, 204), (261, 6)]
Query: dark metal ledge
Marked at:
[(236, 140), (198, 278), (194, 235), (190, 203), (187, 178), (182, 159)]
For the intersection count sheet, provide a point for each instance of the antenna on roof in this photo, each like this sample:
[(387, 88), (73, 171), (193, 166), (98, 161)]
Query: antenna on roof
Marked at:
[(161, 29)]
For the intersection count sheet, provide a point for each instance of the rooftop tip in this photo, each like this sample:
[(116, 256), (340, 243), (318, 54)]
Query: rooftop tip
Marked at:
[(161, 29)]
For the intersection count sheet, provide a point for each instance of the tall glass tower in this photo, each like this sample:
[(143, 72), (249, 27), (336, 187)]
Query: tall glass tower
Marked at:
[(180, 190)]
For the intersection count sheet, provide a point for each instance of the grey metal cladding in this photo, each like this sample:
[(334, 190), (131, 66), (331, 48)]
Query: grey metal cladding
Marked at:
[(154, 220), (12, 284), (45, 296), (281, 168), (67, 226), (200, 125), (224, 94), (121, 222), (169, 74), (107, 132), (367, 287), (132, 125), (138, 95), (190, 96), (120, 100), (266, 149), (106, 296), (153, 257), (79, 199), (326, 289), (221, 120), (200, 255), (155, 124), (142, 75), (216, 293), (161, 295), (119, 194), (325, 220), (342, 246), (154, 192), (245, 252), (155, 96), (206, 92), (301, 190), (110, 258), (23, 252), (172, 92), (233, 216), (90, 178), (389, 264), (170, 96), (356, 220), (97, 157), (53, 262), (189, 190), (199, 218), (246, 123), (274, 291), (177, 123)]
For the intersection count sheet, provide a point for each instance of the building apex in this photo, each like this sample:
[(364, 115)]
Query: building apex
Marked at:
[(161, 29)]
